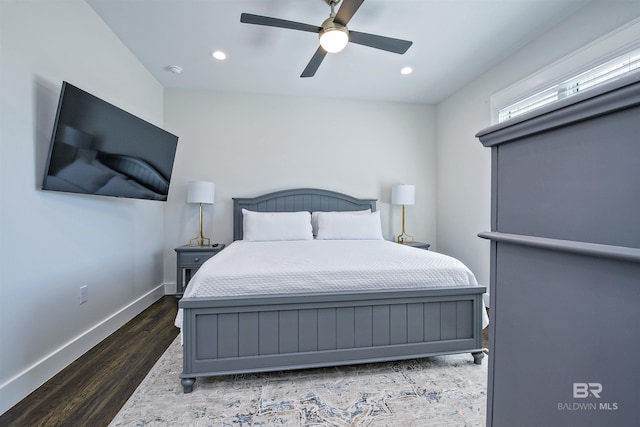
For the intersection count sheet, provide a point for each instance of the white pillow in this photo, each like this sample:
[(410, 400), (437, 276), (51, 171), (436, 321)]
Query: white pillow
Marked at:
[(266, 226), (314, 217), (345, 226)]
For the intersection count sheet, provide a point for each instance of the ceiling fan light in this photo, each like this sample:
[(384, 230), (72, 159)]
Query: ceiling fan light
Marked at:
[(333, 39)]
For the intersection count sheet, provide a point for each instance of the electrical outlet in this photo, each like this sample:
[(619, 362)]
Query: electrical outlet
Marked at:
[(84, 294)]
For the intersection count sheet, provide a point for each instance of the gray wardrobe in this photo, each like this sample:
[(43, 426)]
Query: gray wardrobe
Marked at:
[(565, 263)]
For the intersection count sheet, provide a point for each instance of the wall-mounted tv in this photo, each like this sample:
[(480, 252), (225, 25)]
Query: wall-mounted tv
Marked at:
[(98, 148)]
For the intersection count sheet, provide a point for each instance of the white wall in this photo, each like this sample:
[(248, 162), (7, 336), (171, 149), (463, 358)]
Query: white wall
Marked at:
[(53, 243), (464, 166), (251, 144)]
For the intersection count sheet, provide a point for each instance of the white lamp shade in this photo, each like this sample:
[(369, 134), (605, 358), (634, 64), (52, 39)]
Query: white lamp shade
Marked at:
[(403, 194), (201, 192)]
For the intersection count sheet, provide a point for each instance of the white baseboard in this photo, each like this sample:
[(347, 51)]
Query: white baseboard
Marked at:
[(21, 385), (170, 288)]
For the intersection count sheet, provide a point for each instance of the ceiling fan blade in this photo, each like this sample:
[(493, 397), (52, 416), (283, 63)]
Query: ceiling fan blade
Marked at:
[(314, 63), (248, 18), (347, 10), (380, 42)]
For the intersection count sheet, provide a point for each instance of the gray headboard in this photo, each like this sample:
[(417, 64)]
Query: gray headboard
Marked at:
[(297, 199)]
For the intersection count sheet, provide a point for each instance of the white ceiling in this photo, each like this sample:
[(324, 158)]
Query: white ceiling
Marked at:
[(454, 41)]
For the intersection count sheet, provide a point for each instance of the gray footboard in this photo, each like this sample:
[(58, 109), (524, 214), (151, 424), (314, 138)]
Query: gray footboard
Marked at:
[(268, 333)]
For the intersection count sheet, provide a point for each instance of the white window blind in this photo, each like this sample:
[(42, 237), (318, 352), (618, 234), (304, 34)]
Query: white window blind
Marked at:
[(603, 73)]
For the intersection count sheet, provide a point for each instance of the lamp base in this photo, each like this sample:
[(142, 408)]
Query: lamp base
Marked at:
[(405, 238), (200, 241)]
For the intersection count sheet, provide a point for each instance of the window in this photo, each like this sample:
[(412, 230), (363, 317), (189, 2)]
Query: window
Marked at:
[(608, 57), (603, 73)]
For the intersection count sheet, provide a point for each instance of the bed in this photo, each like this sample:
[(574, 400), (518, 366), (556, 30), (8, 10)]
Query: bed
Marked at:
[(319, 325)]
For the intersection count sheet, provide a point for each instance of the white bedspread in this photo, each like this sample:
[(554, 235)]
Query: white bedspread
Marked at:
[(285, 267)]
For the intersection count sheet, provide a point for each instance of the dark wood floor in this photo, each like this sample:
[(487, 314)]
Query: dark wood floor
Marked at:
[(91, 390)]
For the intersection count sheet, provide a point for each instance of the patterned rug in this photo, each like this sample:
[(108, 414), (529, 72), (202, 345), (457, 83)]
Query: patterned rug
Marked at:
[(434, 391)]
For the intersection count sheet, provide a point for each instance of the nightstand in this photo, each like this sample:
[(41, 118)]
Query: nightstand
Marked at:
[(419, 245), (190, 258)]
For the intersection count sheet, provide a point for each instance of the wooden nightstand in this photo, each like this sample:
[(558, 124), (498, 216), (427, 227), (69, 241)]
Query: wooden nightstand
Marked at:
[(419, 245), (190, 258)]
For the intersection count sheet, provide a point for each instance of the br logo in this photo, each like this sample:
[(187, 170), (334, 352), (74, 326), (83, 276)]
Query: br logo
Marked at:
[(584, 390)]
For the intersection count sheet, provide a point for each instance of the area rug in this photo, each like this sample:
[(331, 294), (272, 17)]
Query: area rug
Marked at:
[(435, 391)]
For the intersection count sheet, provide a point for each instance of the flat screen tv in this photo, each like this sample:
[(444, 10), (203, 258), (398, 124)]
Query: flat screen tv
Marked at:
[(98, 148)]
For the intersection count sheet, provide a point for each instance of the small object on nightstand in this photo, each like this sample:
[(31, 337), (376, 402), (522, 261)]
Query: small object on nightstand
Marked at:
[(190, 258), (419, 245)]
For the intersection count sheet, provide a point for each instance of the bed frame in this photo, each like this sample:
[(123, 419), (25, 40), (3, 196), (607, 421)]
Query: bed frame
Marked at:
[(223, 336)]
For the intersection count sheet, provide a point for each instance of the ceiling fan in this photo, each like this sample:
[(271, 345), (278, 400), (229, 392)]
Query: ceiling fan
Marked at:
[(333, 33)]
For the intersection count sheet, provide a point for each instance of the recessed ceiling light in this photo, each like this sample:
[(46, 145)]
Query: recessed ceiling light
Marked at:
[(219, 55), (406, 70)]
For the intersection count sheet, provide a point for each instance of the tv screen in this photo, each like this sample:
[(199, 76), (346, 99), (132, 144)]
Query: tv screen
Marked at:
[(98, 148)]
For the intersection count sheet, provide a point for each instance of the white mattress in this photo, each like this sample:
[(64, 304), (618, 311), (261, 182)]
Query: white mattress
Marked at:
[(286, 267)]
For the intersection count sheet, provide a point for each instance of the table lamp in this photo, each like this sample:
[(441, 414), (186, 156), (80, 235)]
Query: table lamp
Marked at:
[(403, 195), (201, 192)]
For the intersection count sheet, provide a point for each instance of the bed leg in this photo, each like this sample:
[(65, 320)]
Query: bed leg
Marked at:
[(477, 357), (187, 383)]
